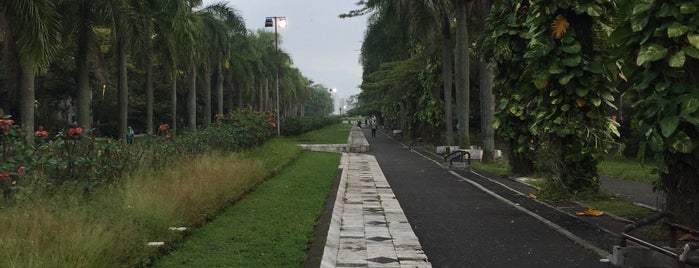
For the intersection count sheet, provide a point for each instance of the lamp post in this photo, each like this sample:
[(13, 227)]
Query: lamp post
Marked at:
[(276, 22)]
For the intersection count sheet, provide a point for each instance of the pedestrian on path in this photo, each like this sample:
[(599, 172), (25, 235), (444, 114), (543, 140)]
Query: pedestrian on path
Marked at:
[(373, 128)]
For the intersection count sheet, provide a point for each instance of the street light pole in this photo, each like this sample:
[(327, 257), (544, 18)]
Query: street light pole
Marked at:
[(269, 22)]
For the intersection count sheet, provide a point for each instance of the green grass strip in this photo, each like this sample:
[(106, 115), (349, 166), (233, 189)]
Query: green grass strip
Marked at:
[(333, 134), (271, 227)]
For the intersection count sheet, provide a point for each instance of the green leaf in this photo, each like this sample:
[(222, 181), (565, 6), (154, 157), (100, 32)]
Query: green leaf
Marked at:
[(581, 91), (676, 29), (637, 24), (642, 6), (649, 53), (565, 107), (571, 49), (688, 8), (596, 102), (689, 106), (572, 61), (556, 68), (566, 78), (693, 39), (677, 60), (594, 10), (682, 143), (691, 51), (595, 67), (668, 125)]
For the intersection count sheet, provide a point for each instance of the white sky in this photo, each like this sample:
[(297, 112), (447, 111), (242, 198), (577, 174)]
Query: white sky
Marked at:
[(324, 47)]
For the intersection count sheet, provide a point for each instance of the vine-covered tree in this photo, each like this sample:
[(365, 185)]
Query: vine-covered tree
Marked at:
[(658, 49)]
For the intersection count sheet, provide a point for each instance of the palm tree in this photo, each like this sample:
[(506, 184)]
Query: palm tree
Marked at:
[(461, 72), (485, 82), (220, 23), (31, 28)]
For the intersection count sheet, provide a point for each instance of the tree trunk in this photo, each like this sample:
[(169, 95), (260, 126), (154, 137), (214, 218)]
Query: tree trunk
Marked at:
[(461, 74), (192, 97), (206, 83), (122, 86), (27, 92), (219, 92), (173, 100), (150, 100), (681, 184), (487, 101), (83, 80), (447, 76)]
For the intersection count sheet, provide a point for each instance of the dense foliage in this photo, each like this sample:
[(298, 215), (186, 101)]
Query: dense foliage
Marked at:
[(657, 47), (70, 158)]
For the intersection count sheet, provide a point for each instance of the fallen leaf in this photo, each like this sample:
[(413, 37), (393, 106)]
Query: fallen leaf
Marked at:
[(590, 212), (688, 237), (533, 196)]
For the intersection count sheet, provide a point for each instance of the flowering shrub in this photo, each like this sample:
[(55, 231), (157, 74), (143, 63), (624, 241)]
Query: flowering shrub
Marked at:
[(73, 159)]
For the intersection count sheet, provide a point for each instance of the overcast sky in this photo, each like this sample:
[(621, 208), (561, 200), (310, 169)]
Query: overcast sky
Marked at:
[(324, 47)]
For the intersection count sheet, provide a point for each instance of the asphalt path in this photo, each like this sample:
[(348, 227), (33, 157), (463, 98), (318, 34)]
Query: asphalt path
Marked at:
[(459, 225)]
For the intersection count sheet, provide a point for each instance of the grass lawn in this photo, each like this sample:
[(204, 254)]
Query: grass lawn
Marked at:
[(629, 169), (334, 134), (271, 227)]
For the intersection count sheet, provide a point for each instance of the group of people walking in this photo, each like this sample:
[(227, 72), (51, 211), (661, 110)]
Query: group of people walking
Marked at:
[(369, 122)]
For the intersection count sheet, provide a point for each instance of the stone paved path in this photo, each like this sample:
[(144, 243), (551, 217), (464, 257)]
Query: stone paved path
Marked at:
[(369, 228)]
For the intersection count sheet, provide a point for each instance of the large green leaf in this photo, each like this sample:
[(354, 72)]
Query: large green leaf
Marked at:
[(572, 61), (689, 105), (642, 6), (649, 53), (688, 8), (668, 125), (581, 91), (691, 51), (594, 10), (637, 24), (693, 39), (676, 29), (682, 143), (677, 60), (571, 49), (566, 78)]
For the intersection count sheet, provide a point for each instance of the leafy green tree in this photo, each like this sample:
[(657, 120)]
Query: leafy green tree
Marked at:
[(658, 48), (503, 44), (570, 92), (30, 28)]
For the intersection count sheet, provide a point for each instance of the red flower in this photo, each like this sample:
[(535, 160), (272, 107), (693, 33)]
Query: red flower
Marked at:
[(167, 136), (163, 127), (40, 133), (75, 131), (20, 170), (4, 175)]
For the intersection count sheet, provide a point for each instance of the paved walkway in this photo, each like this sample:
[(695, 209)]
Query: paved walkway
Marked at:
[(368, 227), (457, 224)]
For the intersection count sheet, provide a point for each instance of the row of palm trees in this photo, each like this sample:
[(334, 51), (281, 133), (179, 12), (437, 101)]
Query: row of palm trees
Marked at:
[(169, 41), (425, 34)]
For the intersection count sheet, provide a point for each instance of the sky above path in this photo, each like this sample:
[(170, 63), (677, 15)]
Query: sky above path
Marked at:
[(324, 47)]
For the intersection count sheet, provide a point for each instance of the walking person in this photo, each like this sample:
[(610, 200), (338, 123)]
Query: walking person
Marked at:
[(373, 128)]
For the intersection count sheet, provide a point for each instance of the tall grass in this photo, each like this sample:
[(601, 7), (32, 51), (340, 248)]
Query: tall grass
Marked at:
[(112, 229)]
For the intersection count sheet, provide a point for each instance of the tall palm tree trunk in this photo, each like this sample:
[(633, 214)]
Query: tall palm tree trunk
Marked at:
[(487, 99), (26, 93), (83, 80), (206, 84), (447, 76), (219, 92), (461, 61), (192, 97), (173, 100), (122, 86), (150, 100)]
